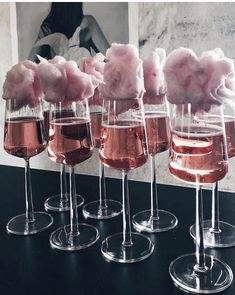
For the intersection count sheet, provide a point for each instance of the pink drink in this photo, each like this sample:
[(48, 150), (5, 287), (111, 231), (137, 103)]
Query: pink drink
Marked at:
[(70, 140), (198, 156), (230, 135), (60, 114), (96, 119), (158, 131), (46, 116), (123, 145), (24, 137)]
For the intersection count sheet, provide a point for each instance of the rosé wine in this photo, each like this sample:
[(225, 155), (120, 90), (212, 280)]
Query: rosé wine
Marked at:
[(96, 119), (123, 145), (59, 114), (24, 137), (230, 135), (158, 131), (229, 123), (70, 140), (46, 115), (198, 156)]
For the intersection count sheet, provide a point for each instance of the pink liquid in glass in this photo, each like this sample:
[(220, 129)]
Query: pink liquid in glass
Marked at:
[(96, 119), (70, 140), (123, 145), (24, 137), (198, 156), (158, 131), (46, 115), (230, 135)]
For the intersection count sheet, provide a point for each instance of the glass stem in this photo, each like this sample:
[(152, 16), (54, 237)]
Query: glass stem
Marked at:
[(28, 194), (103, 203), (200, 251), (215, 209), (127, 240), (154, 199), (74, 231), (63, 184)]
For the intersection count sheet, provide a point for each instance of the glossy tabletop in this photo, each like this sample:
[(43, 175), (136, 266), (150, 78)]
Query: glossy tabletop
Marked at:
[(28, 265)]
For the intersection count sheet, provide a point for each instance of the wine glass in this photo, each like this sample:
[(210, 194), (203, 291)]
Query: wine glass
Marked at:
[(103, 208), (58, 202), (123, 147), (218, 233), (24, 137), (158, 136), (198, 156), (70, 142)]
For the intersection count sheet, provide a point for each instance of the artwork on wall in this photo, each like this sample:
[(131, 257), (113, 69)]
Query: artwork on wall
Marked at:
[(70, 29)]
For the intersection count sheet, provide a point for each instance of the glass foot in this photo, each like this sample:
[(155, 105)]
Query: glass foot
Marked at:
[(217, 278), (112, 248), (222, 239), (93, 210), (18, 226), (55, 204), (143, 221), (62, 239)]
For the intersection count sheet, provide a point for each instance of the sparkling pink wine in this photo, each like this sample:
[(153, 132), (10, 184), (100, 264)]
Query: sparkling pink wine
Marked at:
[(198, 156), (229, 122), (158, 131), (70, 140), (46, 115), (96, 119), (230, 135), (123, 145), (63, 114), (24, 137)]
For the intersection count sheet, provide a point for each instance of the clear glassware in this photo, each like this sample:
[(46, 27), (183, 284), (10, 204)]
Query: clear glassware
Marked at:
[(123, 147), (59, 202), (24, 137), (158, 136), (103, 208), (70, 142), (198, 156), (217, 233)]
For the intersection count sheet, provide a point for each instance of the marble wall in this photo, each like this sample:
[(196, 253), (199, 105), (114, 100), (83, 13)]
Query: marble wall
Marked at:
[(170, 25), (200, 26)]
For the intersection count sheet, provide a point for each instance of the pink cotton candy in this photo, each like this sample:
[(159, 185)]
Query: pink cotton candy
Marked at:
[(154, 81), (123, 73), (79, 84), (58, 60), (218, 71), (53, 78), (93, 66), (22, 84), (63, 81), (201, 82)]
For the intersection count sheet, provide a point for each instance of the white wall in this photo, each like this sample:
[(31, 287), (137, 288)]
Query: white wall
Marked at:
[(8, 57)]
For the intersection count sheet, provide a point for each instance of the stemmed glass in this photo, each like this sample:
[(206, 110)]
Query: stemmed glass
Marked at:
[(198, 156), (123, 147), (24, 137), (218, 233), (103, 208), (158, 136), (58, 202), (70, 142)]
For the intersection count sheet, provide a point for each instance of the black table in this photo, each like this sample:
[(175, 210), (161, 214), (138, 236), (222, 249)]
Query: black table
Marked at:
[(28, 265)]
